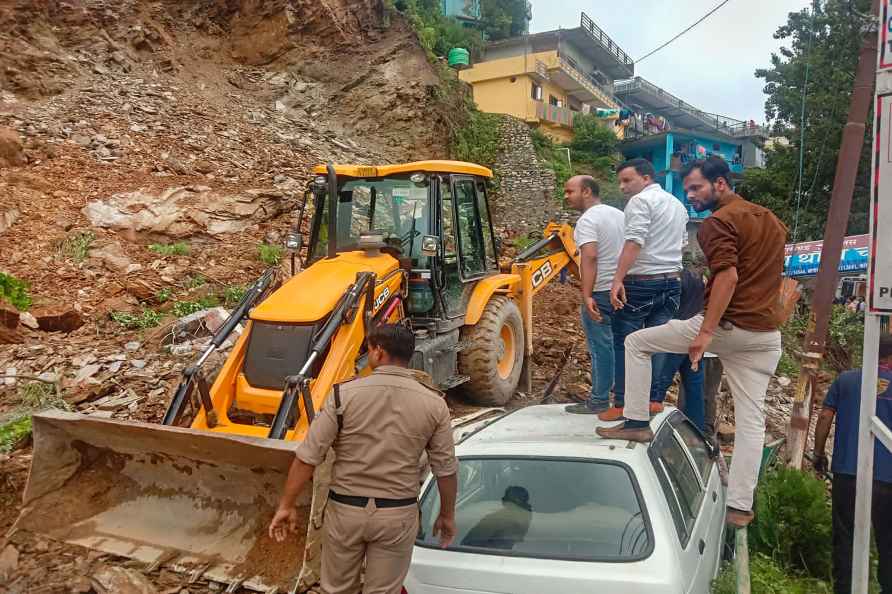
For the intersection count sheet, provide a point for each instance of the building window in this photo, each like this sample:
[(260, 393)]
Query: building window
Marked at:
[(552, 100), (536, 92)]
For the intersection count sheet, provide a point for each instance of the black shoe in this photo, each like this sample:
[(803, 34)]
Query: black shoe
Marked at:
[(586, 408)]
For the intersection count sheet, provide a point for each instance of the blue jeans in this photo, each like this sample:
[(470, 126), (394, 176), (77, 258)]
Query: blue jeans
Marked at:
[(648, 303), (691, 381), (600, 346)]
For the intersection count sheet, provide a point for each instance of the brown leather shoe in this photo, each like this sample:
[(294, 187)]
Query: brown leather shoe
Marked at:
[(656, 407), (738, 518), (614, 413), (642, 435)]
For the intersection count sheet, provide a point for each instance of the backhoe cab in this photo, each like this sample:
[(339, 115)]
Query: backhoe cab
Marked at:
[(409, 243)]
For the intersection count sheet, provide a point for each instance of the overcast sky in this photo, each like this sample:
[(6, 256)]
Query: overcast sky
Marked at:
[(710, 67)]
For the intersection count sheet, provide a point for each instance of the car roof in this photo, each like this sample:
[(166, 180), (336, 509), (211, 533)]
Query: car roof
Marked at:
[(548, 430)]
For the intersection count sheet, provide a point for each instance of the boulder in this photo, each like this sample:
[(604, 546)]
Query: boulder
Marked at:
[(58, 318), (185, 211), (8, 217), (11, 153), (113, 257), (9, 316)]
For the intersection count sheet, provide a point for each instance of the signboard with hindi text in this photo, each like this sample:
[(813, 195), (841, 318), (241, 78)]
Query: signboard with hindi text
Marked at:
[(804, 259)]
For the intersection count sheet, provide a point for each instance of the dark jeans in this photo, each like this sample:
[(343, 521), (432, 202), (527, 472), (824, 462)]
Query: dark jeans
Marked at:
[(599, 336), (648, 303), (691, 399), (844, 531)]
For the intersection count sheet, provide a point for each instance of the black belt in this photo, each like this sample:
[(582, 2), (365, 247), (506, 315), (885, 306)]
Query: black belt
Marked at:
[(356, 501), (645, 277)]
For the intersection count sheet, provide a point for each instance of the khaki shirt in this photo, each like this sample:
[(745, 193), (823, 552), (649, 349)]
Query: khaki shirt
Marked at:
[(389, 418)]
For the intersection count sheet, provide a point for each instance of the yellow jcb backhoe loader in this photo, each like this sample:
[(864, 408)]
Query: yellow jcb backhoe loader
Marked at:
[(409, 243)]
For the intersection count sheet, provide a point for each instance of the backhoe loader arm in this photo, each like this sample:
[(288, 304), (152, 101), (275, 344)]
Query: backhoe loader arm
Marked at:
[(537, 266)]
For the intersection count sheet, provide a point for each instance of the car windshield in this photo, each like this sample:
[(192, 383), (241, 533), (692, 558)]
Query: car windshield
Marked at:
[(551, 508), (395, 207)]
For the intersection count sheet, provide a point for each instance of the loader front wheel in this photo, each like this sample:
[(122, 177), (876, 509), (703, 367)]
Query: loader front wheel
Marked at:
[(493, 353)]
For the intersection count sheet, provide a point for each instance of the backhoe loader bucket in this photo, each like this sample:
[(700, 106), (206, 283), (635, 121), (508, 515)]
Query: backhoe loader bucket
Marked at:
[(191, 500)]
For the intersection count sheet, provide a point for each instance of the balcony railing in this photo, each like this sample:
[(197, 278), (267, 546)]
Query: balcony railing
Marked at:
[(541, 70), (555, 114), (586, 82), (598, 35), (720, 123)]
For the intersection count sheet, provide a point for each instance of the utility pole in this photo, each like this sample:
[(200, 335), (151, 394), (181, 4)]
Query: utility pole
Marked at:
[(834, 233)]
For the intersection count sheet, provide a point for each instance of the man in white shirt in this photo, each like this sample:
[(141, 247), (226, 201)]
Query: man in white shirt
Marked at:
[(599, 238), (646, 288)]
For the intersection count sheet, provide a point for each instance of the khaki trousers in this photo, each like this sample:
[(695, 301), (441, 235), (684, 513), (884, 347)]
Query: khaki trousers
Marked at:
[(383, 538), (749, 359)]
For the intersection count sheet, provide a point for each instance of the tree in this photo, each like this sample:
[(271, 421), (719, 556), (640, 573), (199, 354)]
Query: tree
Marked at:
[(825, 39), (500, 19)]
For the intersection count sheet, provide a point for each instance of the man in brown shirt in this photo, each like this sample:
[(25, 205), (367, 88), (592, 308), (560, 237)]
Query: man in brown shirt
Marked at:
[(379, 426), (744, 248)]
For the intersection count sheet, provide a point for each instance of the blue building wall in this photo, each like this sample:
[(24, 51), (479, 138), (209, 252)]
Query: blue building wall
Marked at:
[(688, 148), (462, 8)]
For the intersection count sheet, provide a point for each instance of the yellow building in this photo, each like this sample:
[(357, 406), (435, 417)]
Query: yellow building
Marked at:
[(546, 78)]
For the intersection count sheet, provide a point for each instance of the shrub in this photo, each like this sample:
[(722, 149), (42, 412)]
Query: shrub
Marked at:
[(14, 291), (164, 295), (766, 577), (478, 140), (185, 308), (270, 255), (233, 294), (195, 281), (147, 318), (793, 522), (77, 245), (13, 432), (179, 248)]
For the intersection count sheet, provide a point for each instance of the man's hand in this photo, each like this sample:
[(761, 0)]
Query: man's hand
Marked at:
[(444, 528), (618, 295), (698, 348), (821, 464), (284, 522), (592, 308)]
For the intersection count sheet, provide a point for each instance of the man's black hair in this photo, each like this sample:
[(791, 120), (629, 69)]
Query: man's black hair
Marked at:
[(397, 340), (642, 166), (885, 346), (590, 183), (712, 168)]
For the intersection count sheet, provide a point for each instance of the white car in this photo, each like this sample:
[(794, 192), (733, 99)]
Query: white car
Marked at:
[(545, 506)]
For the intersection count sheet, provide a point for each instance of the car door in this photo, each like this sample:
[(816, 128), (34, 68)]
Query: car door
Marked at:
[(713, 508), (686, 498)]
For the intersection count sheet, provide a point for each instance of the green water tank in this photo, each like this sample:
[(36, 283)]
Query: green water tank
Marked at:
[(459, 58)]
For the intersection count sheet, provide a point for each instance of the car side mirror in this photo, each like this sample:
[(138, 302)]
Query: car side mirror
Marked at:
[(430, 245), (294, 241)]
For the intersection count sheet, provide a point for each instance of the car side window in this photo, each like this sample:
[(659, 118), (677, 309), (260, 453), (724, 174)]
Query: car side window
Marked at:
[(696, 445), (679, 480)]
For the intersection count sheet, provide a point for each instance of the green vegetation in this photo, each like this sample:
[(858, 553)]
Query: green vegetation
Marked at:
[(827, 42), (233, 294), (845, 338), (14, 291), (195, 281), (767, 577), (439, 34), (179, 248), (39, 395), (185, 308), (164, 295), (270, 255), (77, 245), (793, 522), (478, 140), (591, 152), (13, 432), (147, 318)]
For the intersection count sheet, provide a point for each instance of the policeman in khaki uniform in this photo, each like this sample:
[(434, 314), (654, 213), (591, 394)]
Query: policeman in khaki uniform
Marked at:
[(379, 430)]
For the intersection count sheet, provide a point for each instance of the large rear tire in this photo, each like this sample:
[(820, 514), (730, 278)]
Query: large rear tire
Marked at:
[(493, 353)]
